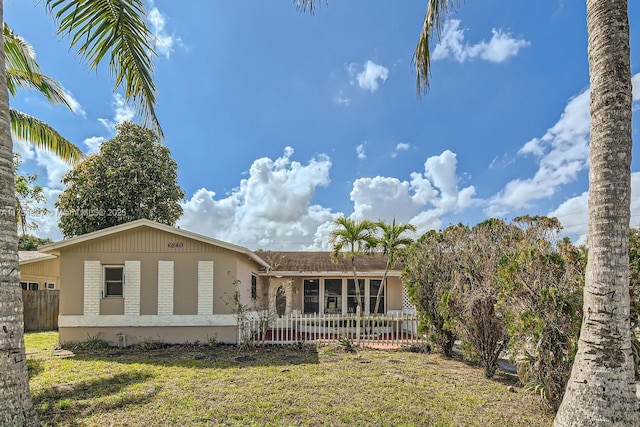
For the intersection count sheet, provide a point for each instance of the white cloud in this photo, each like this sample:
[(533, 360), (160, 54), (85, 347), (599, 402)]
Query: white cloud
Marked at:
[(573, 212), (74, 104), (270, 209), (48, 224), (164, 42), (122, 112), (422, 201), (93, 143), (341, 99), (562, 153), (55, 168), (501, 47), (401, 146), (360, 150), (370, 76)]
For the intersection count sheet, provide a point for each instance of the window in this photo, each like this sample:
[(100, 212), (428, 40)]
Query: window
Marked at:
[(374, 285), (50, 285), (352, 297), (332, 296), (254, 286), (311, 295), (113, 281), (30, 286)]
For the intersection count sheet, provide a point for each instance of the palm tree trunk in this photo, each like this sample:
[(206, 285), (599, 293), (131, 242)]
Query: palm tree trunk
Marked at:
[(601, 389), (17, 407), (379, 293), (357, 285)]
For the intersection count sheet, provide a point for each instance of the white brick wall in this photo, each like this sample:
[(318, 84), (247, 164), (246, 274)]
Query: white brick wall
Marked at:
[(205, 287), (131, 291), (92, 287), (165, 288)]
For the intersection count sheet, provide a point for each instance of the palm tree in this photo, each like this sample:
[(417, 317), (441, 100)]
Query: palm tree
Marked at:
[(601, 388), (24, 72), (114, 28), (352, 237), (391, 243), (602, 378)]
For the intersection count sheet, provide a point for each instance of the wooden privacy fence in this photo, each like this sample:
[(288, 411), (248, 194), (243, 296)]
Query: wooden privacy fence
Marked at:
[(390, 330), (41, 310)]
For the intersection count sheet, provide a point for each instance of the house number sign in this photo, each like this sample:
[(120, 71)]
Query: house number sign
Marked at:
[(175, 245)]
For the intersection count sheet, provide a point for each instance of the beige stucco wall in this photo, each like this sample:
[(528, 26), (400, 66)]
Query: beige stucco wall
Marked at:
[(47, 270), (149, 246)]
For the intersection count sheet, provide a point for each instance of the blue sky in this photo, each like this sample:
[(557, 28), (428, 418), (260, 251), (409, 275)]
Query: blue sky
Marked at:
[(280, 121)]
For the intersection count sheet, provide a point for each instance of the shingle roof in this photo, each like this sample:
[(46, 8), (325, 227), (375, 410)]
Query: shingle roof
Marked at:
[(321, 262), (24, 256)]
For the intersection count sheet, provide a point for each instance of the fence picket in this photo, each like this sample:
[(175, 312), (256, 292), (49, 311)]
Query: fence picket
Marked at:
[(395, 329)]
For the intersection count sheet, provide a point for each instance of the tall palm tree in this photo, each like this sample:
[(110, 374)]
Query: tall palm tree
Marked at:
[(391, 242), (113, 28), (352, 237), (23, 71), (601, 388)]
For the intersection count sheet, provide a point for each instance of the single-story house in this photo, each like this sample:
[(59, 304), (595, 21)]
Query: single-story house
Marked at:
[(38, 271), (148, 281)]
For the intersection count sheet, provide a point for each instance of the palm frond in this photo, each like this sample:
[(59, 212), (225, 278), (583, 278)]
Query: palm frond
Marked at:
[(24, 71), (309, 5), (43, 136), (437, 11), (116, 28)]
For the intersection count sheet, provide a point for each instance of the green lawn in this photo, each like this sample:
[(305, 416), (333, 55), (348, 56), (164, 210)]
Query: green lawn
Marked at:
[(221, 385)]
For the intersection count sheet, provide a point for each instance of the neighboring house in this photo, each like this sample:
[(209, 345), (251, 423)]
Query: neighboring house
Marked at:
[(148, 281), (38, 271)]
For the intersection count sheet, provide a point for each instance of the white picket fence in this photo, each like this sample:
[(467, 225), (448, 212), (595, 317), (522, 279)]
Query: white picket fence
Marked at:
[(393, 329)]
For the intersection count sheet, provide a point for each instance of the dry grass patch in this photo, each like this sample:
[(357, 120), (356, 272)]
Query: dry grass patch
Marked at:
[(223, 385)]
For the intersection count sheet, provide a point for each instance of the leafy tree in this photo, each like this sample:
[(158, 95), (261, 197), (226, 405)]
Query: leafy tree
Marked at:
[(601, 389), (28, 196), (540, 286), (429, 266), (391, 242), (132, 177), (352, 237), (116, 29), (29, 242), (469, 306)]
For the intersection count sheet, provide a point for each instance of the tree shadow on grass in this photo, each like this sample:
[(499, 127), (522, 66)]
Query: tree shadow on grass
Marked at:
[(34, 366), (66, 403), (204, 357)]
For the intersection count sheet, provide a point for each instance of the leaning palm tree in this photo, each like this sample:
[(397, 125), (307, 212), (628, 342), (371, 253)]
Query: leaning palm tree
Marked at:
[(113, 28), (601, 389), (350, 238), (391, 243), (23, 71)]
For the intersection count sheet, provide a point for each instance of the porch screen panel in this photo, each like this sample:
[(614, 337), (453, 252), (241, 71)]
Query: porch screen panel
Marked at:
[(332, 296), (311, 296), (352, 297), (374, 285)]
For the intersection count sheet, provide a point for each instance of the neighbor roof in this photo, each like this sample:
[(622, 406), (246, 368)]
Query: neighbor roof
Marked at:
[(305, 263), (54, 247), (26, 257)]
